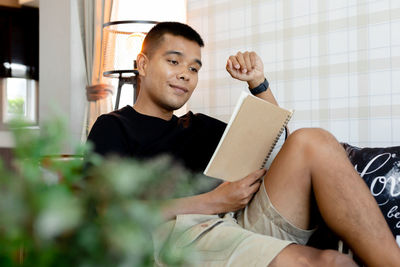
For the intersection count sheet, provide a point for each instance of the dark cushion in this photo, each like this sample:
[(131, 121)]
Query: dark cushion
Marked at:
[(380, 169)]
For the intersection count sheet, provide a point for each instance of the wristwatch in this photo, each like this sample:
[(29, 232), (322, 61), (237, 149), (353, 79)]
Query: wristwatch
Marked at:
[(261, 88)]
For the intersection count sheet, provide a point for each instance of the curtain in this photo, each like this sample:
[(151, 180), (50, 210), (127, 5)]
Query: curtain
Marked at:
[(93, 14)]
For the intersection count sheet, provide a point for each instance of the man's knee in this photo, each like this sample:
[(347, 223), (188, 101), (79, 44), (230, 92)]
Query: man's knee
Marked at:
[(311, 139)]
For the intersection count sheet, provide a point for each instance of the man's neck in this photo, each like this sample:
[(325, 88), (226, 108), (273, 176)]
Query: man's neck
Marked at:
[(153, 111)]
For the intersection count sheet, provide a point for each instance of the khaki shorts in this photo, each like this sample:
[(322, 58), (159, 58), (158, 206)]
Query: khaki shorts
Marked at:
[(254, 239)]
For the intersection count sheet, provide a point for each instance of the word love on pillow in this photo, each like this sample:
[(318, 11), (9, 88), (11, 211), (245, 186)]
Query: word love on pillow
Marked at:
[(380, 169)]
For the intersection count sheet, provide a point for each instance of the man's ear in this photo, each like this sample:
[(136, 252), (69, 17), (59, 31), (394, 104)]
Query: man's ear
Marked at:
[(142, 62)]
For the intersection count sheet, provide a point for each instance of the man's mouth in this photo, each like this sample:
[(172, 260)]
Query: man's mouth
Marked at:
[(179, 89)]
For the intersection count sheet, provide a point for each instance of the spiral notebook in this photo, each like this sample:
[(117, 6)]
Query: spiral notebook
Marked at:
[(249, 138)]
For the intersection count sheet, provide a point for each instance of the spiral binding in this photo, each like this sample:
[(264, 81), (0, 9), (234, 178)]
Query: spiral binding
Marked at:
[(276, 139)]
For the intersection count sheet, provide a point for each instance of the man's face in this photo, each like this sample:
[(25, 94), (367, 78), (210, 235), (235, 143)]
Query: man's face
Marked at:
[(171, 73)]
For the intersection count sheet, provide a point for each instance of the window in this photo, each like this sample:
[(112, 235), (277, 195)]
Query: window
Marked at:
[(19, 64), (19, 98)]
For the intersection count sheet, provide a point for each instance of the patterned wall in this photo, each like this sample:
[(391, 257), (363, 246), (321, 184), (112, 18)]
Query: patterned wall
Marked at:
[(337, 62)]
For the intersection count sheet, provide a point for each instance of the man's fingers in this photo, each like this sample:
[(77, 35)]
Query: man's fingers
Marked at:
[(235, 62), (247, 61), (254, 187), (242, 65), (260, 173), (240, 59), (247, 200), (230, 68), (253, 177), (243, 62), (229, 64), (253, 59)]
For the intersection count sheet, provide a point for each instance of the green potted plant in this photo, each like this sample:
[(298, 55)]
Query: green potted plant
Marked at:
[(85, 211)]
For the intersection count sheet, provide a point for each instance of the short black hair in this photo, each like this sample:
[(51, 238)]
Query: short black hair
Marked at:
[(154, 37)]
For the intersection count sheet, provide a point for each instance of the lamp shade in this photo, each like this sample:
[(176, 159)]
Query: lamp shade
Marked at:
[(122, 42)]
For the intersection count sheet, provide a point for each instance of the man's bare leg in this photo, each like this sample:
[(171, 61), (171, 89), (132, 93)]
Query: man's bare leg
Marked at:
[(313, 165)]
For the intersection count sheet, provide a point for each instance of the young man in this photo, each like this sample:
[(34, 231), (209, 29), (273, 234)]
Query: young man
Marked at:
[(311, 173)]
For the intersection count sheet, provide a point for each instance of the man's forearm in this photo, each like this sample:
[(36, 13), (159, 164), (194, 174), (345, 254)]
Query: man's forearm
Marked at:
[(228, 196), (198, 204)]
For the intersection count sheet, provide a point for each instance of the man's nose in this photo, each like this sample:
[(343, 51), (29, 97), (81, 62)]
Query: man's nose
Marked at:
[(183, 75)]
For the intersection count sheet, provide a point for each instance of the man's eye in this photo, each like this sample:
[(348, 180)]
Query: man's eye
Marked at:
[(194, 69), (173, 62)]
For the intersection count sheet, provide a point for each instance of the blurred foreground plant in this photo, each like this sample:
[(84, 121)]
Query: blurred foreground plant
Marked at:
[(56, 212)]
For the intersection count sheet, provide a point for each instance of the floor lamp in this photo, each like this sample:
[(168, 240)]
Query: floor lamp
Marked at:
[(122, 43)]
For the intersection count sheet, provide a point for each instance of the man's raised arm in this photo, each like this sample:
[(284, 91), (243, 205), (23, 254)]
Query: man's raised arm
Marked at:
[(248, 67)]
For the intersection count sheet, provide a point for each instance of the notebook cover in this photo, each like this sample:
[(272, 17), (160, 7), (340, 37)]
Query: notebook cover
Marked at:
[(250, 135)]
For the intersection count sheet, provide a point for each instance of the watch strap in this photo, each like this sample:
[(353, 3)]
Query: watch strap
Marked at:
[(261, 88)]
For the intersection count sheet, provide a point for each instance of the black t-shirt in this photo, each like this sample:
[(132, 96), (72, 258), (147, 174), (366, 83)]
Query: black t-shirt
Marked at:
[(190, 139)]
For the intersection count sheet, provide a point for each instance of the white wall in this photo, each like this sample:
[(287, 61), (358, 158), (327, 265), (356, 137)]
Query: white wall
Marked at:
[(337, 63), (61, 66)]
